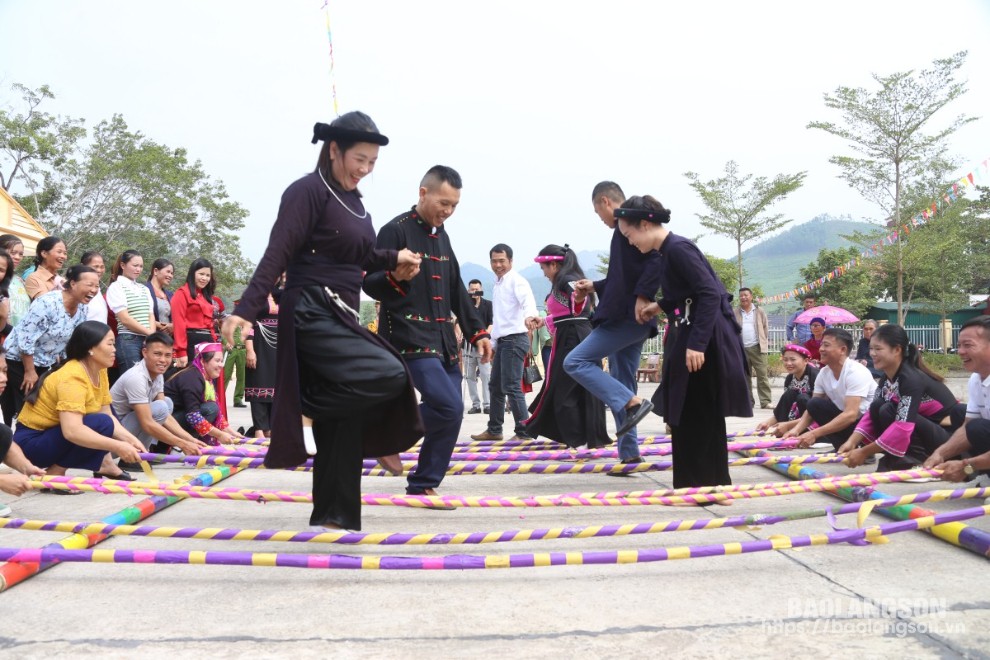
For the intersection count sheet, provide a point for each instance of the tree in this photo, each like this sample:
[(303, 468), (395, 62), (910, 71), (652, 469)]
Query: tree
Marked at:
[(856, 289), (738, 208), (975, 220), (124, 190), (35, 142), (726, 271), (887, 129)]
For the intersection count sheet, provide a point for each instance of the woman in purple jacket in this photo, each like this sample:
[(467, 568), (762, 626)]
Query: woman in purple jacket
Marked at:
[(329, 367), (704, 367)]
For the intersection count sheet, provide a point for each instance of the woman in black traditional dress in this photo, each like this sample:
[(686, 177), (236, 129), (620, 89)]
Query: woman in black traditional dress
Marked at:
[(330, 368), (704, 367), (260, 346), (799, 385), (564, 411)]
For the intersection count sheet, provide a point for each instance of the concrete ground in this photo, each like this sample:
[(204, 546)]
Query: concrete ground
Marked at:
[(915, 596)]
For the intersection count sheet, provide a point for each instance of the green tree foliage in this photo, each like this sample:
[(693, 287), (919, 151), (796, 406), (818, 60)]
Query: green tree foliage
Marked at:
[(602, 266), (727, 273), (896, 149), (123, 190), (976, 222), (738, 205), (33, 143), (856, 290)]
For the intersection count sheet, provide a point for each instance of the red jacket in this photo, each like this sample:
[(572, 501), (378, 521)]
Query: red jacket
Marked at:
[(187, 313)]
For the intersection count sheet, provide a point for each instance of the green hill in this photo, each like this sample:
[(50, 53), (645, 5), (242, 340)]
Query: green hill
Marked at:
[(775, 263)]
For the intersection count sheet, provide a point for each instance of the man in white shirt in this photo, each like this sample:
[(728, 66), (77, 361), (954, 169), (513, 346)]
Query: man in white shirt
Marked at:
[(756, 342), (972, 439), (514, 313), (843, 392)]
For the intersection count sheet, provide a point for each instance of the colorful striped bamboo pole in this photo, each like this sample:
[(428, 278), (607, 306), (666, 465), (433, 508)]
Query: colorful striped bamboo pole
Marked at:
[(555, 454), (614, 498), (464, 562), (467, 468), (957, 534), (15, 572), (473, 538)]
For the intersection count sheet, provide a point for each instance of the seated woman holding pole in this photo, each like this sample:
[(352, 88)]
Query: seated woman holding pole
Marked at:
[(66, 420), (194, 393), (799, 384), (903, 422)]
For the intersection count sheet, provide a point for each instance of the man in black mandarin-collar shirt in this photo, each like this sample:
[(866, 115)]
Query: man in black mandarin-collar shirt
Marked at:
[(416, 319)]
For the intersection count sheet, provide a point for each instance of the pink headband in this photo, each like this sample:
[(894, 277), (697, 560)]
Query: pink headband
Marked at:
[(800, 350), (545, 258), (208, 347)]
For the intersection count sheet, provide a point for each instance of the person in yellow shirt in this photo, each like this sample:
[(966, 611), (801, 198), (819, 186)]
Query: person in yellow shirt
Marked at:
[(66, 420)]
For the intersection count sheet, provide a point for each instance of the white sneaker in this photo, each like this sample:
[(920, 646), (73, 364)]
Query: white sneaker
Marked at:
[(5, 510)]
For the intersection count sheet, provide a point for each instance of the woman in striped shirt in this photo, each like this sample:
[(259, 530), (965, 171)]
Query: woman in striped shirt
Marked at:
[(131, 304)]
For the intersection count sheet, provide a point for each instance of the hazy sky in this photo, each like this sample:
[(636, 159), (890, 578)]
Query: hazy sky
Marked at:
[(533, 102)]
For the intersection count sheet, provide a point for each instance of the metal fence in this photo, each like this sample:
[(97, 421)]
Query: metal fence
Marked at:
[(927, 336)]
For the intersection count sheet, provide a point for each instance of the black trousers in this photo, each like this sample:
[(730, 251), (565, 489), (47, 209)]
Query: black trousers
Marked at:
[(925, 439), (823, 411), (12, 398), (788, 400), (698, 444), (343, 378), (261, 415)]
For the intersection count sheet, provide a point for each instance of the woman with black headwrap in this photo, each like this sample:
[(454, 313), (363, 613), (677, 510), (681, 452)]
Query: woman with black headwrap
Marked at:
[(332, 369)]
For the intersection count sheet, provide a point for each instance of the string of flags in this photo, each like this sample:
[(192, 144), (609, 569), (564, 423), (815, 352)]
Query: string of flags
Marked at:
[(930, 213)]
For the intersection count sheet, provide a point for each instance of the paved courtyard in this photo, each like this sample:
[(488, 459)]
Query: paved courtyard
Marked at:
[(915, 596)]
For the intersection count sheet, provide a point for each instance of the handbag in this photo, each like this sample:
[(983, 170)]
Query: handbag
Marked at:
[(531, 372)]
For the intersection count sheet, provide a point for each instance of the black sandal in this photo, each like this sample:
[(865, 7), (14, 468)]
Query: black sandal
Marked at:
[(123, 476)]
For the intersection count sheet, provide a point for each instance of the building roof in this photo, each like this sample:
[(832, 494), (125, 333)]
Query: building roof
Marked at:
[(14, 219)]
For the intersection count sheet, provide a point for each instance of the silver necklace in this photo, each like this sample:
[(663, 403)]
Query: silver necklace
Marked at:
[(359, 217)]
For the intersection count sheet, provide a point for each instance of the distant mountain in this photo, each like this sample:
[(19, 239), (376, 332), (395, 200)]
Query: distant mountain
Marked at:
[(775, 263), (589, 260)]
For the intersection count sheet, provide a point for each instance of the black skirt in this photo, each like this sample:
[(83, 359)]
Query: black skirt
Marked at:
[(563, 410)]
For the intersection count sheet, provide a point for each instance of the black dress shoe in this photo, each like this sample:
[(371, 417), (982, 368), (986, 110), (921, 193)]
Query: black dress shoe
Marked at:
[(474, 410), (240, 404), (488, 411), (124, 465), (123, 476), (634, 416)]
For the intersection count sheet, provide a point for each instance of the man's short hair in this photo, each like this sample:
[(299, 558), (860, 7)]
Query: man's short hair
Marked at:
[(809, 296), (501, 247), (840, 335), (746, 288), (158, 338), (476, 281), (608, 189), (438, 175), (982, 321)]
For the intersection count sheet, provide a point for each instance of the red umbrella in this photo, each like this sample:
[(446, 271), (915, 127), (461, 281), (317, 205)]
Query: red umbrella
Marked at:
[(830, 313)]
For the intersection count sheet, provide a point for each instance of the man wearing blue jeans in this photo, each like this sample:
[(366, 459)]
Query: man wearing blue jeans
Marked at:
[(514, 314), (616, 335), (415, 317)]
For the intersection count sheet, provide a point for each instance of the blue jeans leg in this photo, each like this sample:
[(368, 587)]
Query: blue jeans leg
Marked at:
[(622, 343), (506, 383), (128, 350), (623, 366), (442, 410)]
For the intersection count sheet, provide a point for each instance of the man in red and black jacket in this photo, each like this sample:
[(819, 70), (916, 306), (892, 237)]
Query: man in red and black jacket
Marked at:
[(416, 315)]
